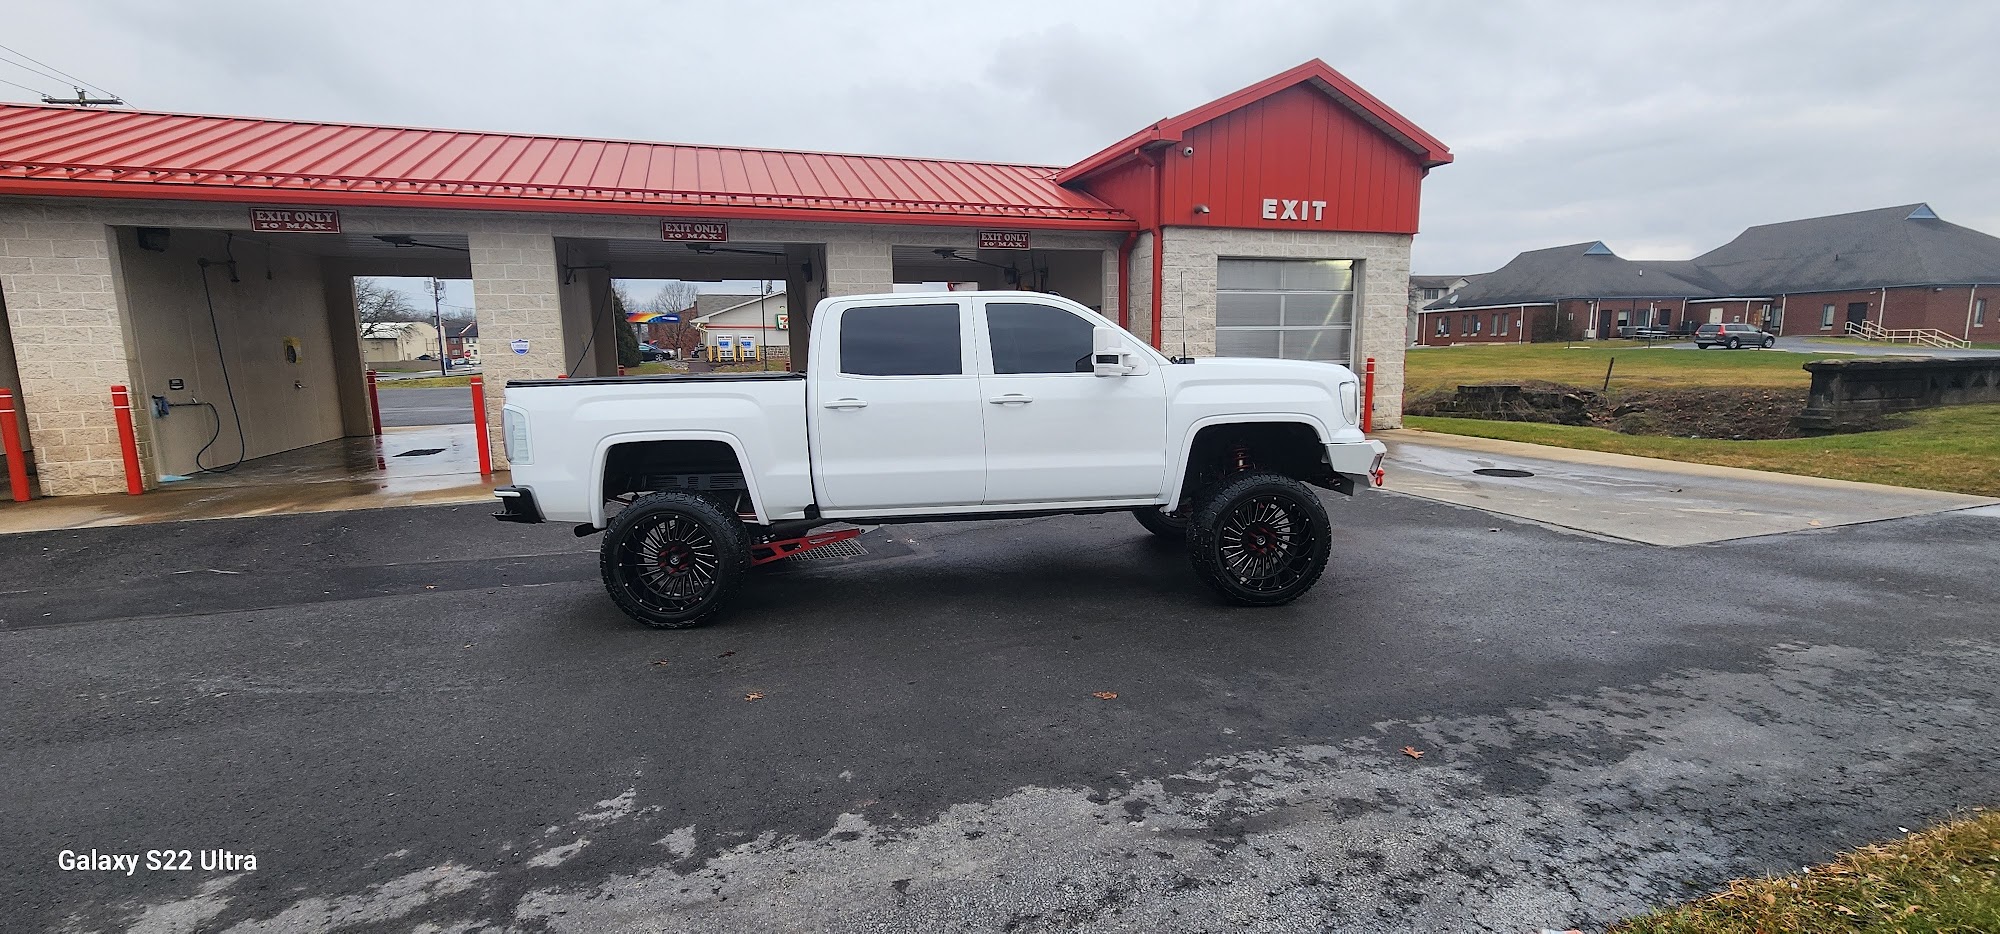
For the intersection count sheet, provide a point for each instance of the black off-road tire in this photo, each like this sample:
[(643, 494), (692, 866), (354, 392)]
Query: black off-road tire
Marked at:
[(1159, 522), (1260, 539), (672, 560)]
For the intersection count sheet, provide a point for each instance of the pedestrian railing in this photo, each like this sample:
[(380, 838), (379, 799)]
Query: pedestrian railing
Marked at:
[(1929, 337)]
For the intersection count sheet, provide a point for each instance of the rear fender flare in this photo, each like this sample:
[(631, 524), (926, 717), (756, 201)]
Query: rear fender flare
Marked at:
[(601, 460)]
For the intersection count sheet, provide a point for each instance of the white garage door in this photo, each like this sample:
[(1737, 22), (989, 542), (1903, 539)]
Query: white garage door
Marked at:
[(1295, 309)]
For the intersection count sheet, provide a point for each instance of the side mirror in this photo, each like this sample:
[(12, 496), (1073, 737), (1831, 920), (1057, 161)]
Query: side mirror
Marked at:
[(1107, 352)]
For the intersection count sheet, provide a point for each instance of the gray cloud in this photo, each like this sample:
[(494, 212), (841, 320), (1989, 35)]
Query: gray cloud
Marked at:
[(1661, 129)]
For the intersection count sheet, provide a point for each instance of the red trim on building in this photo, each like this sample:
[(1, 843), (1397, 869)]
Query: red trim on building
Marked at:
[(1317, 73)]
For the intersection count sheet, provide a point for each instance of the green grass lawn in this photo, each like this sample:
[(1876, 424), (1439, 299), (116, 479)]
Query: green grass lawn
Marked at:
[(1956, 448), (1939, 880), (429, 382), (1637, 366)]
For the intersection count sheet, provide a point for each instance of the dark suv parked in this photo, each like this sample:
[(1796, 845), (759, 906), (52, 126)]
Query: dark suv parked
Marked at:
[(1731, 336)]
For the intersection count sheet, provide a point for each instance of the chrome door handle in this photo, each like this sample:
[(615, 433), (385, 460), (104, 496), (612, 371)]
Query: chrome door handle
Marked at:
[(1012, 398), (847, 404)]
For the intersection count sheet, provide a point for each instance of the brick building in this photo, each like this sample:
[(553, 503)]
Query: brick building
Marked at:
[(1275, 221), (1897, 268)]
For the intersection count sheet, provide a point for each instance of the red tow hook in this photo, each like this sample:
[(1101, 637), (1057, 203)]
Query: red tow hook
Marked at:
[(1375, 471), (1379, 474)]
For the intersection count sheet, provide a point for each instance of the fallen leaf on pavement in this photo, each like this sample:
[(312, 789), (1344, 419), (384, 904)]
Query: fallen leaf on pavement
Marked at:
[(430, 586), (753, 695), (1413, 752), (727, 654), (661, 662), (1105, 695)]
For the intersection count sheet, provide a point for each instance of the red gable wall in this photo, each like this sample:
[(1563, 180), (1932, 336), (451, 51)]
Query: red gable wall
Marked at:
[(1295, 145)]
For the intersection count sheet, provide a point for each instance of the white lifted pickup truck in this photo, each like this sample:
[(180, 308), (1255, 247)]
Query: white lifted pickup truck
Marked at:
[(933, 406)]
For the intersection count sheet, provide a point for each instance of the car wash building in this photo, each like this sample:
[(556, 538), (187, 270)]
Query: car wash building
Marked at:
[(208, 262)]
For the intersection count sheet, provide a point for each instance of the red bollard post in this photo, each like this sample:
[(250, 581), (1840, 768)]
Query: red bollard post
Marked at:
[(374, 404), (479, 420), (1368, 397), (10, 437), (121, 406)]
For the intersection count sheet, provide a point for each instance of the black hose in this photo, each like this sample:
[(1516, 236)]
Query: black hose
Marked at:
[(242, 446)]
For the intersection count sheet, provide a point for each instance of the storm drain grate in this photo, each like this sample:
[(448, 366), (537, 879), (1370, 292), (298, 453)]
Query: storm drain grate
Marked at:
[(1503, 472), (421, 452), (848, 548)]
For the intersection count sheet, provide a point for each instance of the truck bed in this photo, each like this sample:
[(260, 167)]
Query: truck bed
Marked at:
[(575, 423), (659, 378)]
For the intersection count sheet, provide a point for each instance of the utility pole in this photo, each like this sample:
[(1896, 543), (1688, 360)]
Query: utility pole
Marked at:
[(437, 321)]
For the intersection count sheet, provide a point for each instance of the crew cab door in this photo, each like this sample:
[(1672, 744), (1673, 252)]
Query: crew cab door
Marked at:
[(1054, 431), (894, 407)]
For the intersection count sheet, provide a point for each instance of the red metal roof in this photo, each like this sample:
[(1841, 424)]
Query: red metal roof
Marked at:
[(1317, 74), (68, 151)]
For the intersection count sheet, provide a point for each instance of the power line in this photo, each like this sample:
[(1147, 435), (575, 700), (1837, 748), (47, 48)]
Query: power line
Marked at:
[(24, 88), (56, 78), (72, 79)]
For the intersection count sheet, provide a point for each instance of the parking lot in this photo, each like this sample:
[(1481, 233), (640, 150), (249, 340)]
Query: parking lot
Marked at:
[(421, 717)]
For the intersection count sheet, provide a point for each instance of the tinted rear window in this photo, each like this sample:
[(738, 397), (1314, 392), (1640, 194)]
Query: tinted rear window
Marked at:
[(900, 340)]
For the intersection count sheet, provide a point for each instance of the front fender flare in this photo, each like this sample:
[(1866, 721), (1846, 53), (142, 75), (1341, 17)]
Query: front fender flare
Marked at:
[(1177, 470)]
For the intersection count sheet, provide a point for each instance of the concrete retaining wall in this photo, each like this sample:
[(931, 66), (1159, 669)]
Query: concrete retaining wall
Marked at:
[(1847, 392)]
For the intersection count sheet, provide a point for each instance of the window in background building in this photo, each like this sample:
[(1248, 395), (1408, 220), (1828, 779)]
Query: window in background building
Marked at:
[(1979, 313), (1826, 317), (1431, 295), (1499, 324), (1471, 324), (1294, 309), (1444, 326)]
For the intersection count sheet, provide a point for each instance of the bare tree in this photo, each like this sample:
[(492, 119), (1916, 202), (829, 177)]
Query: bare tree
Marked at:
[(676, 298), (378, 304)]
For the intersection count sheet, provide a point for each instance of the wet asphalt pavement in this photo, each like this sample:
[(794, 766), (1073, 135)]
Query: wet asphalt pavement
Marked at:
[(433, 405), (419, 719)]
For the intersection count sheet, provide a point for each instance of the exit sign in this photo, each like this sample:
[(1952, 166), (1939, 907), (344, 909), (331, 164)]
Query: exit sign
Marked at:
[(1003, 240), (698, 231), (293, 220)]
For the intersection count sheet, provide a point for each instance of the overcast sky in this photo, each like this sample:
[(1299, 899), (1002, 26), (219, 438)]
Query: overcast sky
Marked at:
[(1661, 129)]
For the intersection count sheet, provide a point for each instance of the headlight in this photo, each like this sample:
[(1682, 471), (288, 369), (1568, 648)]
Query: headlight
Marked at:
[(1350, 402), (514, 435)]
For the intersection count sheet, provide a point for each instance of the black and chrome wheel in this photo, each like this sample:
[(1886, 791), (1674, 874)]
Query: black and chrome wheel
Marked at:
[(1162, 523), (670, 560), (1733, 343), (1261, 539), (1769, 342)]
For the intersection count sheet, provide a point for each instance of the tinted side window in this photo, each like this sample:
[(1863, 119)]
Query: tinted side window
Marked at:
[(1035, 338), (900, 340)]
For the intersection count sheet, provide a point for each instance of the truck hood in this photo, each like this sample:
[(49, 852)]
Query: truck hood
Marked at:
[(1258, 369)]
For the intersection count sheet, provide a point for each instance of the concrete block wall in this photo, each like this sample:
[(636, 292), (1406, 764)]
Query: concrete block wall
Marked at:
[(1381, 292), (57, 267), (279, 296), (517, 296), (1139, 288)]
